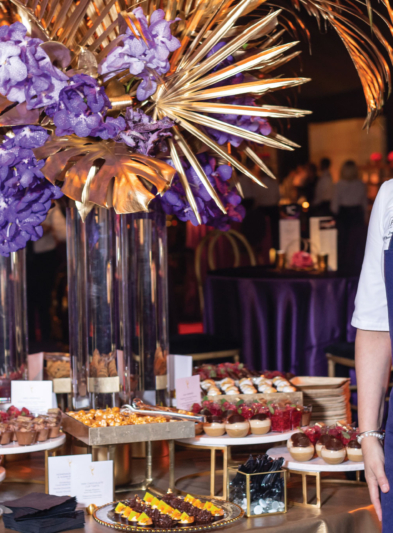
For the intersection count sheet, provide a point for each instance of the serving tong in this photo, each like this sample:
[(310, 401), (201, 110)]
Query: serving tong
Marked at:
[(138, 407)]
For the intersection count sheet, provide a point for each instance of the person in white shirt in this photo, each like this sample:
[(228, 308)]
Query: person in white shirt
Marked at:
[(324, 188), (373, 318)]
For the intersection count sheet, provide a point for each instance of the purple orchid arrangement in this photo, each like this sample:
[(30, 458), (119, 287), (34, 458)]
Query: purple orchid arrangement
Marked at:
[(147, 57), (26, 71), (25, 194), (174, 201), (81, 109), (77, 104), (143, 134)]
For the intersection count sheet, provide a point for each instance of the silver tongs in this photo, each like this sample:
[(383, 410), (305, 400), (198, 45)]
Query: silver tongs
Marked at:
[(140, 408)]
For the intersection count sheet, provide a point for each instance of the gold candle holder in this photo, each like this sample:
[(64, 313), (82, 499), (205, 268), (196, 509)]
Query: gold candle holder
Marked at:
[(280, 259), (323, 262), (249, 479)]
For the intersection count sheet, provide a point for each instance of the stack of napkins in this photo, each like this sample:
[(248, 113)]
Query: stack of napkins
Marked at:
[(43, 513)]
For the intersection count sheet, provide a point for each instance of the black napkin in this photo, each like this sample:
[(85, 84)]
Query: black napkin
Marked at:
[(43, 513), (62, 522)]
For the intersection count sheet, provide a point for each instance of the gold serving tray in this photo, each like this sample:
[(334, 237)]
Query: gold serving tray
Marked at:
[(104, 515), (173, 429)]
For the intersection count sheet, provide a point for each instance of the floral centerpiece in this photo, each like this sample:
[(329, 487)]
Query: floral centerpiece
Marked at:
[(116, 105)]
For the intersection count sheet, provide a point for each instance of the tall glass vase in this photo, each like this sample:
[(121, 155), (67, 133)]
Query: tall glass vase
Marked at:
[(142, 268), (117, 277), (13, 321)]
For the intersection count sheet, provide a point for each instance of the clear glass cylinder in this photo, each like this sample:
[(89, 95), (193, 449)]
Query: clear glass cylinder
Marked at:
[(142, 264), (13, 321), (117, 277)]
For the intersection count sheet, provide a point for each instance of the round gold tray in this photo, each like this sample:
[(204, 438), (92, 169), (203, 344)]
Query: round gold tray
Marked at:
[(104, 515)]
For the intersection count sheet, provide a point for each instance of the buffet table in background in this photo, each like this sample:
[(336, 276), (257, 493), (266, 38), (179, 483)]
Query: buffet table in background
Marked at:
[(283, 320)]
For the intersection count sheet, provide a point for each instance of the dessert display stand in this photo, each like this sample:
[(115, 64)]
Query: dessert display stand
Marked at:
[(223, 444), (314, 468), (49, 446), (110, 437)]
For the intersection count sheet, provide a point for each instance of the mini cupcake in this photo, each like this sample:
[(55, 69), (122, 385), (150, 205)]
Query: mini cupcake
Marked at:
[(26, 436), (300, 447), (5, 436), (42, 432), (237, 426), (333, 453), (54, 429), (214, 426), (260, 424), (354, 451)]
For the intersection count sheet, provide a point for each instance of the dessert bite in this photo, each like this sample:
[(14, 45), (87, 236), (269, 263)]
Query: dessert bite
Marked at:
[(321, 443), (300, 447), (260, 424), (354, 451), (333, 452), (214, 426), (237, 426)]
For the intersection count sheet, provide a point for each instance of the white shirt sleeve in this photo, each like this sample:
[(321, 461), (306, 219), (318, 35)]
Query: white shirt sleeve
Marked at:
[(371, 311)]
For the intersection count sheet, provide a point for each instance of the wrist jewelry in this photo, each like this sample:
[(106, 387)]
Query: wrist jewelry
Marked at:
[(373, 433)]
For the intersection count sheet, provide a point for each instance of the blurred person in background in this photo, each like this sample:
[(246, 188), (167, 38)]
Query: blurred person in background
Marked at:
[(43, 260), (349, 204), (323, 190), (306, 183)]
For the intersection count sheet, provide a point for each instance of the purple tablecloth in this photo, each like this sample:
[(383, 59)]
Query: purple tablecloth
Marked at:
[(283, 323)]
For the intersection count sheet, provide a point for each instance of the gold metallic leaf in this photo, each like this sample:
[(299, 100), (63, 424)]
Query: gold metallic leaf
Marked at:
[(19, 115), (70, 159)]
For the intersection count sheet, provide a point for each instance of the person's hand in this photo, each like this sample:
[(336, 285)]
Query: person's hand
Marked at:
[(374, 466)]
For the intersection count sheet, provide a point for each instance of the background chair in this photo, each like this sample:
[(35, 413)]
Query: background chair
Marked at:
[(201, 346)]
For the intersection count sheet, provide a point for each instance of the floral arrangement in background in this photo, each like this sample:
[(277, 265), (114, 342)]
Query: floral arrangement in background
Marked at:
[(118, 108)]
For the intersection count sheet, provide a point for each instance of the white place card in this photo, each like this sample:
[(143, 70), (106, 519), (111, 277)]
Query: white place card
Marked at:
[(35, 395), (188, 392), (179, 366), (289, 236), (59, 472), (92, 483), (35, 366)]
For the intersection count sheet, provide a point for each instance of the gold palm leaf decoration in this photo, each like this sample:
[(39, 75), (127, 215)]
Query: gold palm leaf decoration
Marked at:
[(191, 92), (70, 159)]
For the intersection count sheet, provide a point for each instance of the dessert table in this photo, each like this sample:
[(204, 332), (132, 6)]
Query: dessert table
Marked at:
[(344, 511), (282, 320)]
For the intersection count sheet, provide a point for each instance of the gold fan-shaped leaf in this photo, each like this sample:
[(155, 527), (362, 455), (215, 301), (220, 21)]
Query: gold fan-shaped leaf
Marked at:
[(123, 179)]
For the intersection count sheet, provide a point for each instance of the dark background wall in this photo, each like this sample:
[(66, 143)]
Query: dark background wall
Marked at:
[(335, 92)]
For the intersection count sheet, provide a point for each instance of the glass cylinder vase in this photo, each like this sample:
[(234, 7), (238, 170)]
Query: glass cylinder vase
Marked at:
[(13, 321), (117, 276), (142, 269)]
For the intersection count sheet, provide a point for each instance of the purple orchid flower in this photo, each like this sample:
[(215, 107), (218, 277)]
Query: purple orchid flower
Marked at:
[(146, 61)]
